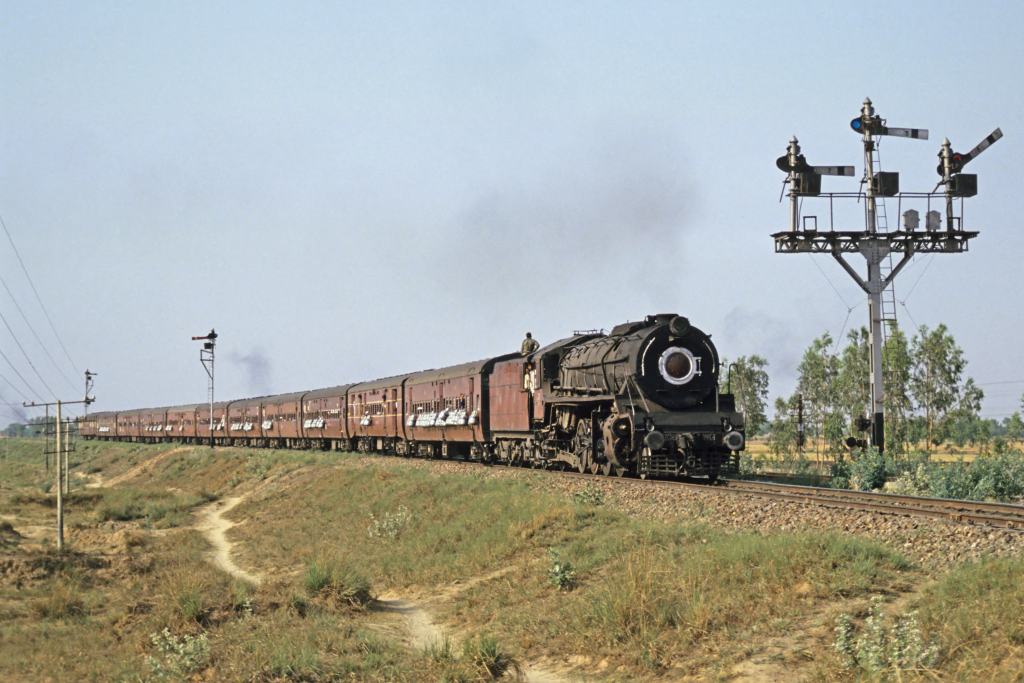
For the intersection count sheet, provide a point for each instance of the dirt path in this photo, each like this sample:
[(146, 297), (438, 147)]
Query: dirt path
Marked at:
[(214, 527), (422, 631), (789, 656)]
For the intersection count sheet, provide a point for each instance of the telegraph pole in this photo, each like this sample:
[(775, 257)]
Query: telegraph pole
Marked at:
[(206, 358), (875, 244), (62, 435)]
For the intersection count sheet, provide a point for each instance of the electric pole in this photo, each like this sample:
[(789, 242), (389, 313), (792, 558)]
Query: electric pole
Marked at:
[(206, 358), (876, 243), (62, 434)]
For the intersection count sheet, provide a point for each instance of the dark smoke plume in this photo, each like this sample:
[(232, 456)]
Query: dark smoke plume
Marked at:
[(607, 221), (13, 410), (257, 370)]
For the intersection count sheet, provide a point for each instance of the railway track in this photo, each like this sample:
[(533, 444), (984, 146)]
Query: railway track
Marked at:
[(994, 515)]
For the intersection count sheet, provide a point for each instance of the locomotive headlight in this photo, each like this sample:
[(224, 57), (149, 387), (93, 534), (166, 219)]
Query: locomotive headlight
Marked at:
[(733, 440), (678, 365)]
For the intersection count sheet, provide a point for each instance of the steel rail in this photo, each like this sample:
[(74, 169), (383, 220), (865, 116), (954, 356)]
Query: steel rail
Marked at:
[(999, 515), (1007, 516)]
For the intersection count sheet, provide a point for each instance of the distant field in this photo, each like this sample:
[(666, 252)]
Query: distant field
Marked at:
[(759, 450), (513, 575)]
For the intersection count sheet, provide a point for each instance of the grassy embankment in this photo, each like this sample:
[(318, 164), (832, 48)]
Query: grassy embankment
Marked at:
[(640, 599)]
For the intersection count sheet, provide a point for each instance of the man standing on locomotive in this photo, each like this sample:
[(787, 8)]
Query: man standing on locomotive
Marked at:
[(529, 345)]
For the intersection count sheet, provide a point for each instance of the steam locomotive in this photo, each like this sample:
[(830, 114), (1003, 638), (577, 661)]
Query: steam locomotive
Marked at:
[(641, 400)]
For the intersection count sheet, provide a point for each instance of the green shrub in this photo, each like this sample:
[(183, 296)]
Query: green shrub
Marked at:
[(177, 657), (191, 604), (884, 650), (588, 495), (241, 597), (488, 660), (870, 470), (561, 574), (749, 465), (337, 581), (987, 477), (390, 525), (440, 651), (317, 577)]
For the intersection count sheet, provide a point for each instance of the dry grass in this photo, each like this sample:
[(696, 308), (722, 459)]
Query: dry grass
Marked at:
[(759, 450), (645, 596)]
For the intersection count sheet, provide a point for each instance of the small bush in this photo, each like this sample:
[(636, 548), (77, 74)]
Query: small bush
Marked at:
[(869, 470), (317, 577), (561, 574), (390, 525), (588, 495), (191, 604), (488, 659), (299, 605), (881, 649), (62, 602), (440, 651), (241, 597), (336, 581), (749, 465), (177, 657)]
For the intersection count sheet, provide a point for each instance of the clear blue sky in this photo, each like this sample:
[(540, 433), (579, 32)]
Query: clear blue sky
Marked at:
[(349, 190)]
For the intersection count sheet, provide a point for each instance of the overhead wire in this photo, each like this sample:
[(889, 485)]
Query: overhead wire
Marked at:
[(31, 389), (921, 275), (829, 281), (35, 334), (18, 391), (909, 314), (28, 360), (849, 311), (39, 299)]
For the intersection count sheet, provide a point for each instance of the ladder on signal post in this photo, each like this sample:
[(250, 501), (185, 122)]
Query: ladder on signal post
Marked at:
[(889, 293)]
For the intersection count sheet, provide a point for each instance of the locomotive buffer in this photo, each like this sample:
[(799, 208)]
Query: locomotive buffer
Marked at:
[(874, 244)]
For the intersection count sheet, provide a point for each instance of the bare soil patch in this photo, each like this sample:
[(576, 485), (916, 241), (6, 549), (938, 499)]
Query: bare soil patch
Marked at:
[(214, 527)]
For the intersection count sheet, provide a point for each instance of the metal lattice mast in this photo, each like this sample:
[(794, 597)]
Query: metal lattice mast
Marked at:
[(206, 355), (877, 245), (88, 389)]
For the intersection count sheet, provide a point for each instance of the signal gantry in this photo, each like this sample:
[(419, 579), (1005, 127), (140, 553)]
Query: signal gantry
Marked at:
[(875, 242)]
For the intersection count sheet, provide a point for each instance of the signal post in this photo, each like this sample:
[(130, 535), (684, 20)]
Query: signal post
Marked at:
[(875, 242), (206, 357)]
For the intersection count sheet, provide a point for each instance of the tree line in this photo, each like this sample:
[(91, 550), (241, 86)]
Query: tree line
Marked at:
[(929, 399)]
